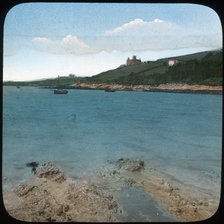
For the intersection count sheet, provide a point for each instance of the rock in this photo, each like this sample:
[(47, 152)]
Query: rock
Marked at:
[(59, 210), (130, 165), (162, 181), (32, 164), (112, 205), (179, 210), (110, 197), (130, 181), (66, 208), (34, 170), (50, 171), (24, 189), (49, 219), (121, 159), (41, 213)]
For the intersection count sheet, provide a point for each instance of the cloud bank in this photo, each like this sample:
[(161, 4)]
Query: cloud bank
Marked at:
[(136, 35), (162, 35), (69, 44), (133, 25)]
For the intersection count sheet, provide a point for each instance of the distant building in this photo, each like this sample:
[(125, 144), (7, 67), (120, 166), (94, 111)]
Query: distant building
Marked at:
[(121, 66), (71, 76), (133, 61), (172, 61)]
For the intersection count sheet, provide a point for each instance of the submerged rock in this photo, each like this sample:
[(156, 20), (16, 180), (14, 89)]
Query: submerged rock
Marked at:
[(130, 165), (32, 164), (130, 181)]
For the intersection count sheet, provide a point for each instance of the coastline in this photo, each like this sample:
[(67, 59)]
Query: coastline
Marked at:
[(178, 88), (50, 195)]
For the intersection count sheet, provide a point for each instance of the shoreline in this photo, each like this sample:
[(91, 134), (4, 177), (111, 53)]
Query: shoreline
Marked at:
[(166, 88), (68, 199), (185, 201), (175, 88)]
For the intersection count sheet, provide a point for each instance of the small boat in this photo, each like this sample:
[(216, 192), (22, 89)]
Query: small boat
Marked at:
[(17, 87), (60, 91), (109, 90)]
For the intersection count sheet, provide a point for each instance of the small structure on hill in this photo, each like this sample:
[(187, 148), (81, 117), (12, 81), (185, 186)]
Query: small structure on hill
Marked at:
[(172, 61), (133, 61)]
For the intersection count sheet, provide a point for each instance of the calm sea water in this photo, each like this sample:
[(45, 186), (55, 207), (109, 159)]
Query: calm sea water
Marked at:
[(179, 134)]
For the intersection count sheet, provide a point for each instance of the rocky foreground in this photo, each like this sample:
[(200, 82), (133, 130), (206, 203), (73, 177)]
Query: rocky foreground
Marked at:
[(160, 88), (51, 196)]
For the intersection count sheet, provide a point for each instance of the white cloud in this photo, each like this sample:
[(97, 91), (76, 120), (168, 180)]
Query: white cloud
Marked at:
[(73, 44), (126, 26), (135, 24), (137, 35), (69, 44), (140, 35), (41, 39)]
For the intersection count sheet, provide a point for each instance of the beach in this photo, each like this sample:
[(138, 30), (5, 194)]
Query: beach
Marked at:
[(50, 195)]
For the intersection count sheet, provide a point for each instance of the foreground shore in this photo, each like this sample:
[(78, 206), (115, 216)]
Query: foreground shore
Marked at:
[(52, 196), (185, 88), (185, 202)]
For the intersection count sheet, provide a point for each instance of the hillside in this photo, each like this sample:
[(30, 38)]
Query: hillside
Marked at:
[(61, 82), (204, 68)]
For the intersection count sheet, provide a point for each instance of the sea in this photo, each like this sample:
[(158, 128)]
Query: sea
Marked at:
[(177, 133)]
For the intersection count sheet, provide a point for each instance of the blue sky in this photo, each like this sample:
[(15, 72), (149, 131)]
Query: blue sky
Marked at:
[(44, 40)]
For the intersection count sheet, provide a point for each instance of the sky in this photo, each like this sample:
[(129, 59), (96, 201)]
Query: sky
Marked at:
[(46, 40)]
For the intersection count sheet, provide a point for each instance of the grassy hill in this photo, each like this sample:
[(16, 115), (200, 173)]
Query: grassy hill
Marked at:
[(117, 75), (203, 68), (61, 82), (200, 68)]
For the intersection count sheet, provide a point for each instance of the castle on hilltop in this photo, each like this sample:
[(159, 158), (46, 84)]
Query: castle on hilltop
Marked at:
[(133, 61)]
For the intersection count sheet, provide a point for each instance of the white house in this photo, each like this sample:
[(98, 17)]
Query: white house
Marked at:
[(172, 61)]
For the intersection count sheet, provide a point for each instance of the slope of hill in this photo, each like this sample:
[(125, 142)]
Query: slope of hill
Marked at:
[(61, 82), (204, 68)]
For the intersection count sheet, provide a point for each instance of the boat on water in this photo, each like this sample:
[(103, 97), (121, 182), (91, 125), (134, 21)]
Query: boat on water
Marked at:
[(60, 91), (109, 90)]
